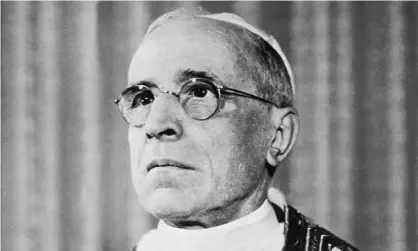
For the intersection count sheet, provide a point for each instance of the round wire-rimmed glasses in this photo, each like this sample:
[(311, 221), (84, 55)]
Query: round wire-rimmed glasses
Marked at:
[(199, 97)]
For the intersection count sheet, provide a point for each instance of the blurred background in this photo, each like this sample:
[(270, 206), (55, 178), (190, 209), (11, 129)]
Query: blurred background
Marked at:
[(65, 177)]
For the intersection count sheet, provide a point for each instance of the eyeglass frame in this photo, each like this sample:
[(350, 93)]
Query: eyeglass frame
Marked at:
[(221, 89)]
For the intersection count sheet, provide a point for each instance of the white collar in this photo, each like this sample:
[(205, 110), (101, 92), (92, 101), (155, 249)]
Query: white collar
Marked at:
[(166, 237), (275, 196), (220, 230)]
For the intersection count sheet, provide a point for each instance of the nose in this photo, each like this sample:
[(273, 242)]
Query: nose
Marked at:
[(162, 122)]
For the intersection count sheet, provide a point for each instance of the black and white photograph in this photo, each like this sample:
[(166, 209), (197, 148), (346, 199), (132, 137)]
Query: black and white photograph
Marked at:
[(209, 126)]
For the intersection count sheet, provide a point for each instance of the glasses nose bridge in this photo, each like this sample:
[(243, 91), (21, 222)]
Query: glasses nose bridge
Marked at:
[(170, 93), (159, 95), (162, 90), (161, 104), (162, 120)]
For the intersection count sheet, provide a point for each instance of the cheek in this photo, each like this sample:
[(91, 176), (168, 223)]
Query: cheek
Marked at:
[(237, 147), (136, 145), (136, 141)]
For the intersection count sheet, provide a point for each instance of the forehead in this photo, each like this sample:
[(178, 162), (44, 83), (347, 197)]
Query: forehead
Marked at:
[(199, 45)]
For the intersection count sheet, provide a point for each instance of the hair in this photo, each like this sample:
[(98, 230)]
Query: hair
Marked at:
[(261, 62)]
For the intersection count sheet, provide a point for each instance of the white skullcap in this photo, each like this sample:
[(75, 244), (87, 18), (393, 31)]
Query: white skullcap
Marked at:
[(234, 19)]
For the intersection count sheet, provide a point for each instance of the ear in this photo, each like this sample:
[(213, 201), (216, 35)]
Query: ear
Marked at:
[(286, 129)]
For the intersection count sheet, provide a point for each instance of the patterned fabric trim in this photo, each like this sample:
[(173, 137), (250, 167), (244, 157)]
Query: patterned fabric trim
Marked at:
[(302, 234)]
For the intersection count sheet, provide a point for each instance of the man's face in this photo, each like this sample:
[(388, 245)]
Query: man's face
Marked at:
[(225, 154)]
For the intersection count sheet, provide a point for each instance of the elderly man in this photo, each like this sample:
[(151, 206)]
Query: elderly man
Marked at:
[(210, 109)]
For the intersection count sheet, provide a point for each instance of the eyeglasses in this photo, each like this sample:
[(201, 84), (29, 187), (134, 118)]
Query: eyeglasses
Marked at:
[(199, 97)]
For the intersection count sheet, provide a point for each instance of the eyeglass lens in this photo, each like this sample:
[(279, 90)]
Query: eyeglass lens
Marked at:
[(198, 97)]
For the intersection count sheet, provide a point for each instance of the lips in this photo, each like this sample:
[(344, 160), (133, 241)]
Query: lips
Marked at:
[(168, 162)]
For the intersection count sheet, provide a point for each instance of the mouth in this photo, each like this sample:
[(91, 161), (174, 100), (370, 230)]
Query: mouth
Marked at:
[(168, 163)]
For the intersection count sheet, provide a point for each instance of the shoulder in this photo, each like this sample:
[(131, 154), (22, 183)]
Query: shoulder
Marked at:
[(303, 234)]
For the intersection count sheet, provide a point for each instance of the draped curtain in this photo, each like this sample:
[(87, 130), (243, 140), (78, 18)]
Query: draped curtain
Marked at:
[(65, 177)]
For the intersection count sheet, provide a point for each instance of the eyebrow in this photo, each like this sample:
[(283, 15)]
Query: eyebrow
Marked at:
[(184, 75), (180, 77), (147, 83)]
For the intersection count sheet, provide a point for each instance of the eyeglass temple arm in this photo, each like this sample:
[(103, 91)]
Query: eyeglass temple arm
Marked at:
[(226, 90)]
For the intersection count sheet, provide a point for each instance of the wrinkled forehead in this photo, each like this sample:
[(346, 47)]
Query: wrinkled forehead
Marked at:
[(198, 45)]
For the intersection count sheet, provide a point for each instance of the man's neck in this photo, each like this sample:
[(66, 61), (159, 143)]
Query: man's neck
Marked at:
[(234, 210)]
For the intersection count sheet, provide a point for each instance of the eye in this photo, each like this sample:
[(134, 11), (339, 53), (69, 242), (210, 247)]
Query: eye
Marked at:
[(143, 97), (199, 91), (199, 99)]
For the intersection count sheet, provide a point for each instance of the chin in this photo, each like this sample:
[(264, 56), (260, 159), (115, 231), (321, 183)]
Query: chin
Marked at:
[(166, 203)]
